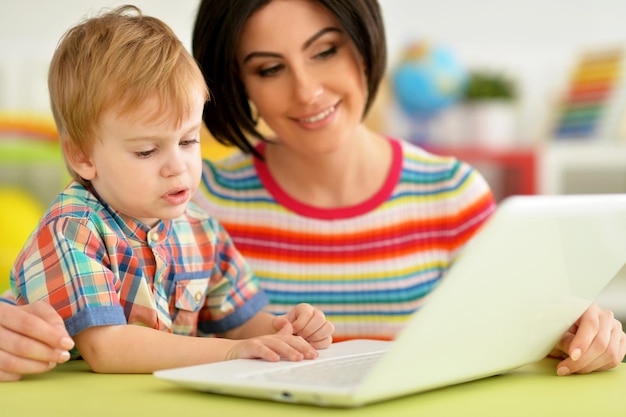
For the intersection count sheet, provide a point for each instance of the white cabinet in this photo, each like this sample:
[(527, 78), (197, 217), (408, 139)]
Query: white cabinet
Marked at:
[(581, 168)]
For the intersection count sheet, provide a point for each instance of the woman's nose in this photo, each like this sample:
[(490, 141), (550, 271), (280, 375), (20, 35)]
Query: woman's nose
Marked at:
[(307, 88)]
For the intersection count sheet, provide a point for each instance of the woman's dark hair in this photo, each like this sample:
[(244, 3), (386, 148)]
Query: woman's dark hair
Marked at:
[(218, 24)]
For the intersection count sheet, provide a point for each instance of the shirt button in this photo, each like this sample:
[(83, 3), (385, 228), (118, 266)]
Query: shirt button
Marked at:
[(198, 296), (154, 236)]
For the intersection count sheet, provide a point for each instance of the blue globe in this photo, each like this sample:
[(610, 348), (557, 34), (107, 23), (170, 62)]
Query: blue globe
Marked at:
[(427, 80)]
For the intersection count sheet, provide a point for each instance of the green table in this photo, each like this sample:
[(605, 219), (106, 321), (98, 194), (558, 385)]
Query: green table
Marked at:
[(530, 391)]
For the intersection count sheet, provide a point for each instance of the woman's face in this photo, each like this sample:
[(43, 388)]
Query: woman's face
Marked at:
[(303, 73)]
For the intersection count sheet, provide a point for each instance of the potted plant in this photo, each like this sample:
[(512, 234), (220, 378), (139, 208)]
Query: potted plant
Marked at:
[(490, 99)]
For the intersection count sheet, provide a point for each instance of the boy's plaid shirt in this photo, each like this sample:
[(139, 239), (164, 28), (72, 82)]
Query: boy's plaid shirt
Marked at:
[(99, 267)]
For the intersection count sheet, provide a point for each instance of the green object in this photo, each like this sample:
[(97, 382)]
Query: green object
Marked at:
[(20, 151), (35, 166), (532, 390), (483, 85)]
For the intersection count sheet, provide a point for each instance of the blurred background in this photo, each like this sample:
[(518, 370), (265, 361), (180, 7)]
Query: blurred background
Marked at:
[(532, 93)]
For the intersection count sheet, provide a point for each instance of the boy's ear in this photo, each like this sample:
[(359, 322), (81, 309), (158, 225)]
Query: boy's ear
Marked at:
[(79, 161)]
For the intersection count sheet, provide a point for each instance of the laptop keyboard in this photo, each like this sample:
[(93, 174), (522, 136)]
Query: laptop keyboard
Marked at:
[(339, 372)]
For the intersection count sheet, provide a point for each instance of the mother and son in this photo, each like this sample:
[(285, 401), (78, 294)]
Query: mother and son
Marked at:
[(324, 230)]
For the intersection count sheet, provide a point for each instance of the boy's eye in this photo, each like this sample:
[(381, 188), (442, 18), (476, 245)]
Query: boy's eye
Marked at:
[(144, 154), (189, 142)]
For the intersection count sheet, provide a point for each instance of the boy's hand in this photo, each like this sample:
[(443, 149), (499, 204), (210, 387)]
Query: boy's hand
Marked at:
[(596, 342), (309, 323), (33, 340), (273, 347)]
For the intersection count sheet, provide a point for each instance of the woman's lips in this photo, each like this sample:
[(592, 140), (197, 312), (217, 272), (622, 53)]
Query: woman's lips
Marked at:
[(320, 116), (318, 120)]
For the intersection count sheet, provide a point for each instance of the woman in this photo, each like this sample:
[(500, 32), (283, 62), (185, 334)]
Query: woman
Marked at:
[(324, 209), (327, 210)]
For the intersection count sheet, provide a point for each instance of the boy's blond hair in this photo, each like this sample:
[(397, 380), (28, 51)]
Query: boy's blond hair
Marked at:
[(118, 60)]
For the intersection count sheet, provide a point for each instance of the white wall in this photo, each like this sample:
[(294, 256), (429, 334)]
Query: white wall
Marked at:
[(536, 41), (30, 30)]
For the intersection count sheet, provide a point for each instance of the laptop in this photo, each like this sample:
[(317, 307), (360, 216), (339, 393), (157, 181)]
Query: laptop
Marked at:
[(530, 272)]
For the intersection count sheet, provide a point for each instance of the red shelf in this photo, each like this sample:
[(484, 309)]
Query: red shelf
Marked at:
[(509, 171)]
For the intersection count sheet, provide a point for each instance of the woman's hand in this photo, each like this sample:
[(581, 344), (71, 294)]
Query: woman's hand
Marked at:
[(596, 342), (33, 340)]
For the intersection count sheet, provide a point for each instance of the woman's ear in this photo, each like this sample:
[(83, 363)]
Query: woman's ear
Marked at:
[(79, 161)]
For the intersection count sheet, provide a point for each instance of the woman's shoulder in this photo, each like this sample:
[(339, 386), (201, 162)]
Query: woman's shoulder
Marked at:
[(422, 166), (412, 152), (233, 178), (416, 158), (232, 172)]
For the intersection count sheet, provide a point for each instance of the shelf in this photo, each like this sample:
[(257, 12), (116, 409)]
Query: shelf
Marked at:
[(508, 171)]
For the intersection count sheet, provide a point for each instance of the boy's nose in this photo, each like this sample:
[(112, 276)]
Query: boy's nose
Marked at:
[(174, 165)]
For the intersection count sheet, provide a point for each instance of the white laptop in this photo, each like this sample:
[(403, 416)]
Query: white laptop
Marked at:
[(530, 272)]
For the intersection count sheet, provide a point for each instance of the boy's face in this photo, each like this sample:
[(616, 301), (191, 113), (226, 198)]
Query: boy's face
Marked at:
[(147, 169)]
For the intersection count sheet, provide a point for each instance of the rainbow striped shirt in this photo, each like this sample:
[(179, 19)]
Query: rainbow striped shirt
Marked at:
[(368, 267)]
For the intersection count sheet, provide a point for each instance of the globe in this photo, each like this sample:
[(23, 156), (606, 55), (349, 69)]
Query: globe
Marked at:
[(428, 79)]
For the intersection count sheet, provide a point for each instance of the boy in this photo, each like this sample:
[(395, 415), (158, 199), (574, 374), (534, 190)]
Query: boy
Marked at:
[(122, 244)]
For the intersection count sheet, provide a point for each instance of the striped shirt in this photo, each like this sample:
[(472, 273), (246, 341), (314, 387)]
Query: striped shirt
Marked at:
[(97, 267), (369, 266)]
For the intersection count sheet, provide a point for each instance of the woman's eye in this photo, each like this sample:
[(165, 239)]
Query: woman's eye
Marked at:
[(328, 52), (268, 72)]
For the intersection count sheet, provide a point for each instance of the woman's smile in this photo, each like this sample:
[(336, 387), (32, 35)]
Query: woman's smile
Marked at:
[(319, 119)]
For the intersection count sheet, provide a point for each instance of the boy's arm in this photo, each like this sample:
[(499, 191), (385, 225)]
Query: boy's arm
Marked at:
[(261, 323), (138, 349), (302, 320)]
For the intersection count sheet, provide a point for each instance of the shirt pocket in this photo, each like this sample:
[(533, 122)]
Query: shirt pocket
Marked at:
[(190, 293)]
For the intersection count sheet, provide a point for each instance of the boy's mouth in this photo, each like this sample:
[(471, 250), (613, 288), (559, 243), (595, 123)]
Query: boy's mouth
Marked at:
[(177, 196)]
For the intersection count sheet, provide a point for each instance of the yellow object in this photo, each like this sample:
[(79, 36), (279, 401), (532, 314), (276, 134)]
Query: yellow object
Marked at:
[(212, 149), (19, 215)]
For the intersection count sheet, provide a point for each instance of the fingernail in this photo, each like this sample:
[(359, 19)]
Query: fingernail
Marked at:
[(51, 365), (63, 356), (67, 343), (576, 354), (563, 371)]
